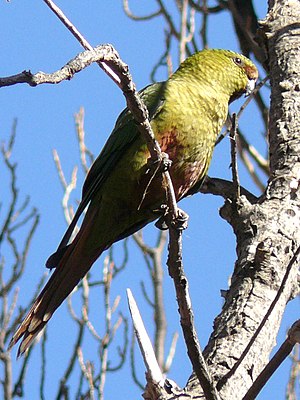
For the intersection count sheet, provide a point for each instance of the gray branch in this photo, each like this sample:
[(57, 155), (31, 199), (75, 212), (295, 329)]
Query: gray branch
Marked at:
[(102, 53), (266, 229)]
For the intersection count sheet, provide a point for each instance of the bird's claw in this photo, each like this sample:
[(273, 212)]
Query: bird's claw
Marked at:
[(180, 221), (161, 223)]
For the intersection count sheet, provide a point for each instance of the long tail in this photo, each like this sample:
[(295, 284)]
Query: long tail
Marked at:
[(74, 264)]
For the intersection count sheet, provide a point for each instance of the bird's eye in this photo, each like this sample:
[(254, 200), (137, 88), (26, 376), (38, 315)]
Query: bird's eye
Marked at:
[(238, 61)]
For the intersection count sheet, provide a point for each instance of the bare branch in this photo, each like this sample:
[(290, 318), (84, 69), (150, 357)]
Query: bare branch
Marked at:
[(209, 10), (14, 218), (132, 363), (263, 252), (103, 53), (281, 354), (176, 272), (75, 32), (153, 260), (138, 18), (63, 381), (83, 150), (294, 374), (43, 369), (221, 187), (146, 348), (87, 372), (171, 354), (68, 188), (235, 176), (168, 19)]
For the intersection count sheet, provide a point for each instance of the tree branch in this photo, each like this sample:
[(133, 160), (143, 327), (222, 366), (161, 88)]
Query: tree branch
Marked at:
[(176, 271), (281, 354)]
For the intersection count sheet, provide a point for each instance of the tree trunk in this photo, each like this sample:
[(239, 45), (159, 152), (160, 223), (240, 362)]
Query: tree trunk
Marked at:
[(267, 232)]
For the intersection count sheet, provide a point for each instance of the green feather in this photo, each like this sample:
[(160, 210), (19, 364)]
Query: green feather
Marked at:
[(188, 109), (120, 193)]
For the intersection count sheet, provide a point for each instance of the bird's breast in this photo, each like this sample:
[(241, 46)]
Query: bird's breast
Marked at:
[(190, 156)]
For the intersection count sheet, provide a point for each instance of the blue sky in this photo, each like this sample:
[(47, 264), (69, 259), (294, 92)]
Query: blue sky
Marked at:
[(33, 38)]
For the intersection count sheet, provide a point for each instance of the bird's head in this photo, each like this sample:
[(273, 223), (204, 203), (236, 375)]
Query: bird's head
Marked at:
[(225, 71), (244, 75)]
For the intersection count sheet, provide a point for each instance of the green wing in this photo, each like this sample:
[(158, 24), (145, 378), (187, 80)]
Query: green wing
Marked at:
[(123, 135)]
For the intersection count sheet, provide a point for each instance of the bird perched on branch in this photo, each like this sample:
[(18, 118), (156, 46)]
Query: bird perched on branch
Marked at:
[(122, 192)]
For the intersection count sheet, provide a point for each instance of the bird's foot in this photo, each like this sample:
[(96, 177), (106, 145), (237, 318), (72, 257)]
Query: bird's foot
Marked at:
[(161, 223), (180, 221)]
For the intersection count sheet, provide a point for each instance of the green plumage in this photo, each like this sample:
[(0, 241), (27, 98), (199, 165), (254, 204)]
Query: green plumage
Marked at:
[(186, 113)]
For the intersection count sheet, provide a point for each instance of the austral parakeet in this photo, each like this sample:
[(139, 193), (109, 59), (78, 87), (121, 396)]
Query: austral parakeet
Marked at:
[(186, 113)]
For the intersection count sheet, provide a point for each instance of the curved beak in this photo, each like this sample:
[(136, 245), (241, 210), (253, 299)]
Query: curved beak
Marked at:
[(250, 86)]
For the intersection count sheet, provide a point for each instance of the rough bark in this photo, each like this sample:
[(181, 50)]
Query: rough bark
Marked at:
[(267, 231)]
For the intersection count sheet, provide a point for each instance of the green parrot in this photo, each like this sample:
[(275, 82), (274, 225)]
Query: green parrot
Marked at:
[(119, 194)]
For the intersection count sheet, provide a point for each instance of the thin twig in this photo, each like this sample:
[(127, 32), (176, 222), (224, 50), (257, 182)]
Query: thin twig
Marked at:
[(243, 144), (205, 9), (171, 353), (294, 375), (168, 19), (87, 372), (19, 385), (132, 363), (182, 40), (84, 43), (153, 256), (235, 175), (165, 60), (203, 31), (43, 366), (176, 271), (134, 17), (252, 95), (244, 152), (70, 366), (83, 150), (281, 354)]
